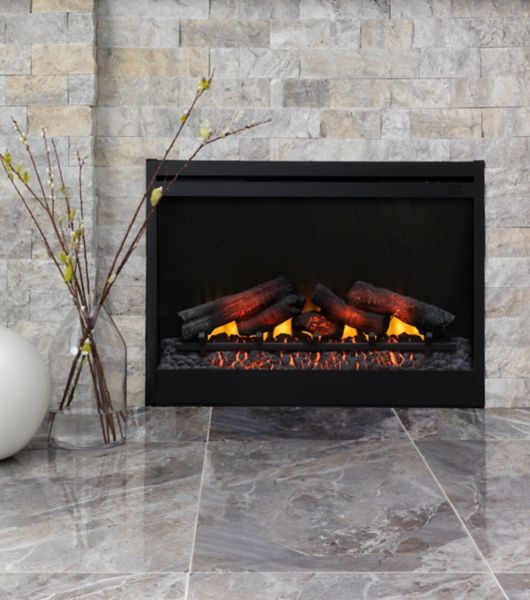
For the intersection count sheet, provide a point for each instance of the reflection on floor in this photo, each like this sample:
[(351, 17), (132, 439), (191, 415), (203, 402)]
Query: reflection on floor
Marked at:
[(276, 504)]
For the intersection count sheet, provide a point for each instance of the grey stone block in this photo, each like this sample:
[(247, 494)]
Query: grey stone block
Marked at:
[(504, 61), (330, 9), (395, 124), (315, 33), (262, 62), (254, 9), (36, 28), (420, 8), (217, 33), (81, 27), (390, 34), (82, 89), (305, 92), (445, 123), (351, 124), (14, 305), (133, 31), (164, 8), (450, 62), (507, 392)]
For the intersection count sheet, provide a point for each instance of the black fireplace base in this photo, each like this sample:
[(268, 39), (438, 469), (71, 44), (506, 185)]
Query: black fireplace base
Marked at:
[(318, 388)]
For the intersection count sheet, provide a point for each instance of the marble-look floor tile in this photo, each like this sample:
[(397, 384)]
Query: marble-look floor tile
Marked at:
[(343, 586), (132, 509), (92, 586), (516, 585), (489, 485), (304, 423), (161, 424), (326, 506), (466, 424)]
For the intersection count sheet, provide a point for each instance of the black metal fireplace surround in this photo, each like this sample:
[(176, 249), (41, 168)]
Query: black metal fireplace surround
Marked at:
[(416, 229)]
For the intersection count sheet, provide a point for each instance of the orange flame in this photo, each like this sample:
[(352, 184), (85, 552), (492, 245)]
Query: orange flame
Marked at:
[(397, 327)]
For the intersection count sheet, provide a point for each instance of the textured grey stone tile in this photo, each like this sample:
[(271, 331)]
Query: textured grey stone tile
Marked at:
[(325, 506), (488, 484), (495, 61), (428, 33), (82, 89), (485, 32), (164, 8), (395, 124), (508, 271), (264, 62), (315, 33), (131, 31), (226, 62), (305, 92), (419, 93), (386, 33), (450, 62), (304, 423), (420, 8), (466, 424), (85, 586), (331, 9), (36, 28), (516, 585), (343, 586), (490, 8), (359, 123), (359, 93), (14, 305), (490, 91), (368, 62), (219, 33), (445, 123), (506, 331), (129, 510), (15, 60), (496, 152), (253, 149), (160, 424), (507, 302), (506, 122), (255, 9), (81, 27), (507, 392)]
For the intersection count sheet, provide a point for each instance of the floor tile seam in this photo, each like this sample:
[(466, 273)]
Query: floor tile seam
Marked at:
[(196, 524), (453, 508), (371, 572)]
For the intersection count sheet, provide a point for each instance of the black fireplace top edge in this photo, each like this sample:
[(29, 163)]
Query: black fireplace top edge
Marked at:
[(308, 171)]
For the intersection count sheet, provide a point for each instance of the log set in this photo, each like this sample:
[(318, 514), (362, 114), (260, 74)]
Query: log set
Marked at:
[(319, 324), (205, 317), (424, 316), (337, 309), (271, 316)]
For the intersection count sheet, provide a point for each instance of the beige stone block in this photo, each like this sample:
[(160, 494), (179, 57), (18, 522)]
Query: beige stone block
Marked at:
[(428, 33), (389, 34), (63, 59), (332, 9), (358, 93), (217, 33), (32, 274), (507, 272), (503, 61), (445, 123), (151, 32), (159, 62), (263, 62), (37, 89), (490, 91), (305, 92), (507, 302), (350, 124), (490, 8), (509, 241), (363, 63), (315, 33), (485, 32), (139, 91), (15, 6), (127, 151), (420, 8), (62, 5), (223, 150), (225, 61), (228, 93), (15, 60), (419, 93), (450, 62), (252, 149), (506, 122), (60, 120), (507, 392), (164, 8)]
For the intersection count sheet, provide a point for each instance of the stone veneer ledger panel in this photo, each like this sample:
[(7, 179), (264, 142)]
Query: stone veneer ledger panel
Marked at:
[(343, 80)]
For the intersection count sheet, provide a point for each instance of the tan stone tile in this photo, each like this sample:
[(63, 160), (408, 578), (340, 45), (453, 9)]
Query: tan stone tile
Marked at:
[(36, 89), (63, 59), (445, 123), (60, 120)]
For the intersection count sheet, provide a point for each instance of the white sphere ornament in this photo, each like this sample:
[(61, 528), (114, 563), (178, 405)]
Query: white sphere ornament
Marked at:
[(25, 390)]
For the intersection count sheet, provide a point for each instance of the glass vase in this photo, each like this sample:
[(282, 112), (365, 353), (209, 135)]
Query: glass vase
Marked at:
[(88, 365)]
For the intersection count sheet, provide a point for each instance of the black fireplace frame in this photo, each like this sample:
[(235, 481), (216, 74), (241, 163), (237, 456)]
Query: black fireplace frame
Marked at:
[(174, 387)]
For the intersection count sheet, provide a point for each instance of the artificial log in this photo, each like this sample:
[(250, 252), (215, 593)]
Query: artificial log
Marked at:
[(271, 316), (208, 316), (426, 317), (315, 322), (337, 309)]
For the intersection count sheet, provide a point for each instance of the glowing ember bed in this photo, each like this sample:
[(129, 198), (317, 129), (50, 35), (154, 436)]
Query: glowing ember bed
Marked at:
[(317, 283)]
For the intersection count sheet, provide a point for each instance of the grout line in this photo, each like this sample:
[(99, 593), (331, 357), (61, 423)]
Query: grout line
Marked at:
[(464, 526), (192, 550)]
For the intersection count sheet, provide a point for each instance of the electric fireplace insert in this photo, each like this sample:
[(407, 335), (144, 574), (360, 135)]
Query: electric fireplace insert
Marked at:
[(314, 283)]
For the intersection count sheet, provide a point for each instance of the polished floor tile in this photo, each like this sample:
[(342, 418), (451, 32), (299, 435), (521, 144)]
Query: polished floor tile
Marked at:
[(516, 585), (161, 424), (92, 586), (343, 586), (466, 424), (304, 423), (326, 506), (489, 485), (132, 509)]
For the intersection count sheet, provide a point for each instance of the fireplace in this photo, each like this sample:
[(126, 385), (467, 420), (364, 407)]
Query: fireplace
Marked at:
[(290, 283)]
